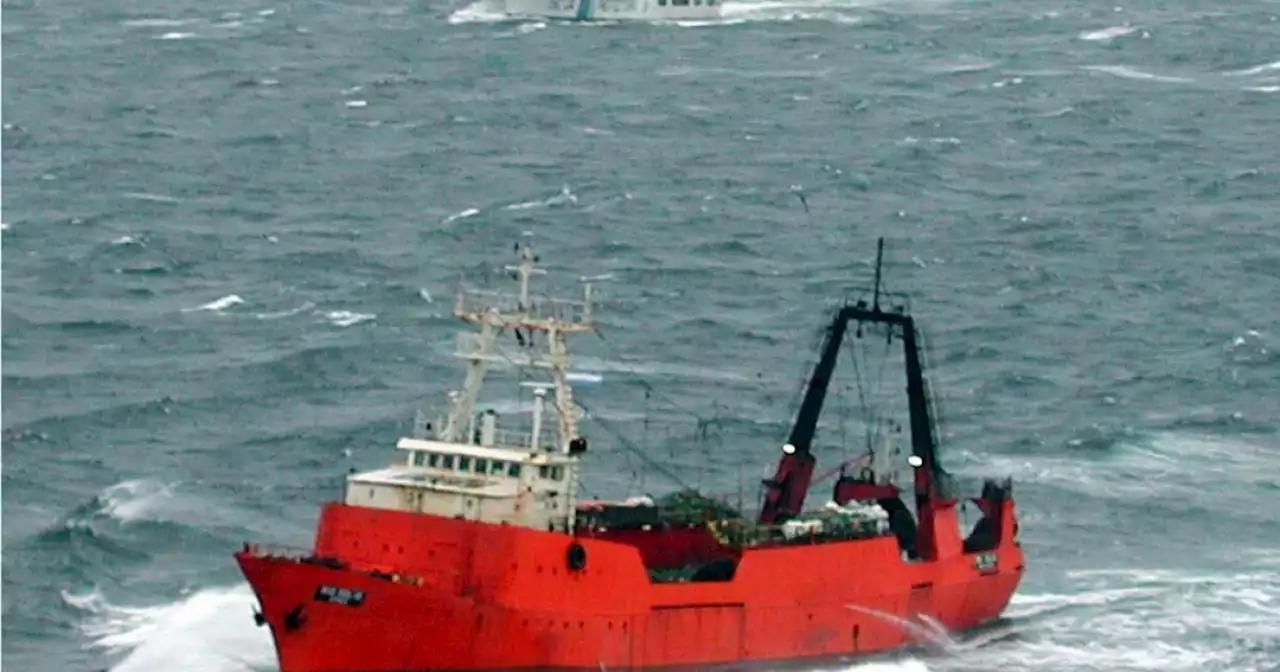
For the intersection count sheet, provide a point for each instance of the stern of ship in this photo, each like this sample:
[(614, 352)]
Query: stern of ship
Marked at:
[(974, 577)]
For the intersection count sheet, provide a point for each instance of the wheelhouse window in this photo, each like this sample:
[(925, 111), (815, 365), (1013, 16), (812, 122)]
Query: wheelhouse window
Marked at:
[(479, 465), (554, 473)]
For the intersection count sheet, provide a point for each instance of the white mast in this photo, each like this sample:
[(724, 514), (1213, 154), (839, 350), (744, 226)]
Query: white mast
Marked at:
[(470, 467), (534, 321)]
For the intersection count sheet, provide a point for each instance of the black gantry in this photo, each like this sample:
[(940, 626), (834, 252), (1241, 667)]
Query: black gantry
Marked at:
[(786, 491)]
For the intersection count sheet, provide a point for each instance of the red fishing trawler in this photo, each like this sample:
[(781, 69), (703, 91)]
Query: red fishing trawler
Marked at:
[(473, 552)]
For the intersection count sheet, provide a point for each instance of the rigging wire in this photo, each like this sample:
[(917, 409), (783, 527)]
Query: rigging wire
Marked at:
[(626, 443), (884, 361), (862, 397), (649, 389), (704, 424), (634, 449)]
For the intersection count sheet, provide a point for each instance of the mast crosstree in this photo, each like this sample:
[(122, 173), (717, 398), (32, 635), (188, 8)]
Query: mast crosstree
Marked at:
[(530, 318)]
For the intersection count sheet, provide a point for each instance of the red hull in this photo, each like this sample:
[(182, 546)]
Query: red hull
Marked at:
[(445, 594)]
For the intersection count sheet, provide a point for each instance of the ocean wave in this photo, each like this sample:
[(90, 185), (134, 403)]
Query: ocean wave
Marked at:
[(207, 630), (217, 305), (1173, 476), (1142, 619)]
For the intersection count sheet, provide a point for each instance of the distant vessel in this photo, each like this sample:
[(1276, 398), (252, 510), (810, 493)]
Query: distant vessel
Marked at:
[(616, 10), (474, 552)]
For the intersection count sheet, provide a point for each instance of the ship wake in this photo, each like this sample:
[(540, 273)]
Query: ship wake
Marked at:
[(927, 631), (1130, 619)]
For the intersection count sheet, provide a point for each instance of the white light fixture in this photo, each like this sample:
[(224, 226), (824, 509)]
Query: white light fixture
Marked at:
[(788, 449), (915, 461)]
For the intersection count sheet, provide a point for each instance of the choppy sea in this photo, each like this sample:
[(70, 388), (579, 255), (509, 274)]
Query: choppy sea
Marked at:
[(231, 233)]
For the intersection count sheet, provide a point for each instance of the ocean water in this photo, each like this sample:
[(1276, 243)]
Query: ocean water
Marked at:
[(231, 233)]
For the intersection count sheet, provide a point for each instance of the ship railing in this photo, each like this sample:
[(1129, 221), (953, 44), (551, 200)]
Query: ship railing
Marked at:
[(522, 439), (539, 308), (512, 438), (466, 345), (746, 533), (276, 551)]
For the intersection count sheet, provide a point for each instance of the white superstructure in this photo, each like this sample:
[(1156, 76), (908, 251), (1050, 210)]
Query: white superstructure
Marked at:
[(468, 464)]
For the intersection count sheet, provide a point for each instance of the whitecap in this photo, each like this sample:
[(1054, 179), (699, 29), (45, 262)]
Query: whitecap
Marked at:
[(346, 318), (154, 198), (1107, 33), (286, 313), (478, 12), (565, 196), (209, 629), (469, 212), (1126, 72), (961, 67), (134, 500), (908, 665), (157, 23), (1256, 70), (221, 304)]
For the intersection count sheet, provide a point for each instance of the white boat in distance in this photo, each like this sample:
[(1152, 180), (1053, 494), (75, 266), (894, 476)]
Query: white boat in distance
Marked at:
[(615, 10)]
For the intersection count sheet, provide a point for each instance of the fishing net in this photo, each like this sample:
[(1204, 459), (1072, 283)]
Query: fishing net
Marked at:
[(690, 507)]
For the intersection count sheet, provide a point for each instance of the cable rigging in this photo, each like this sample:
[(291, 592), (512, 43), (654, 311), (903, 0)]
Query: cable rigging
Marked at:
[(624, 441)]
